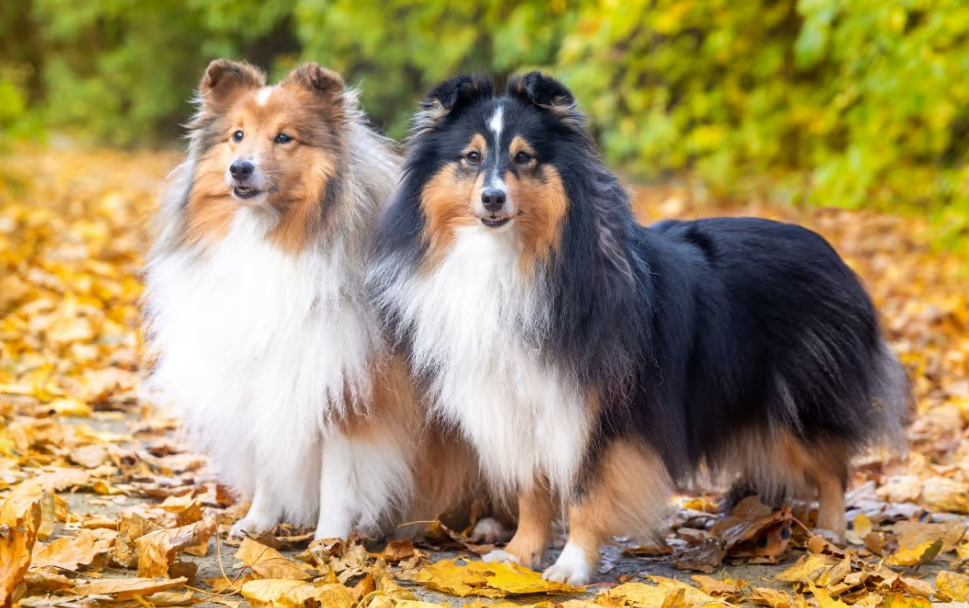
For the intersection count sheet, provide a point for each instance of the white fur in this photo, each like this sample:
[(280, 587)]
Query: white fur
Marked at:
[(475, 321), (267, 352), (497, 122), (497, 556), (572, 567), (245, 336), (489, 530), (378, 470), (262, 97)]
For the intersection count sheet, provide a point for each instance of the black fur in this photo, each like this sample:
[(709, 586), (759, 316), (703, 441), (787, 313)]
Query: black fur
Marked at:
[(696, 334)]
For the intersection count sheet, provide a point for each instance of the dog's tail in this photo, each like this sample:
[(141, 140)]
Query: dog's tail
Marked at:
[(891, 399)]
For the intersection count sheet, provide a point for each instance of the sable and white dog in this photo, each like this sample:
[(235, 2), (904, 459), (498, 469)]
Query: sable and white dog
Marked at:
[(256, 312)]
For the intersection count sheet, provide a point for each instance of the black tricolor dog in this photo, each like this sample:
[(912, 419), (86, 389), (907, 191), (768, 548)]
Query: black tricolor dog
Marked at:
[(591, 360)]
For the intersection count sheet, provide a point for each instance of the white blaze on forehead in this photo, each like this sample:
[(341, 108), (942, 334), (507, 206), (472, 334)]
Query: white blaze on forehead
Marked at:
[(263, 95), (497, 122)]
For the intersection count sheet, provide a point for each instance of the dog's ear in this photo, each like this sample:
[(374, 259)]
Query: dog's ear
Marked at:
[(448, 97), (318, 80), (224, 79), (549, 94)]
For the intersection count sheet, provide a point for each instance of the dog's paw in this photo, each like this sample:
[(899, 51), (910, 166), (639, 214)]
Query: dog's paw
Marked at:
[(490, 531), (572, 568), (500, 557), (247, 527)]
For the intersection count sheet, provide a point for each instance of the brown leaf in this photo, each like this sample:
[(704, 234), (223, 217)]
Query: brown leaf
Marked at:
[(807, 569), (764, 596), (157, 550), (268, 563), (126, 588), (20, 517), (287, 593), (74, 552)]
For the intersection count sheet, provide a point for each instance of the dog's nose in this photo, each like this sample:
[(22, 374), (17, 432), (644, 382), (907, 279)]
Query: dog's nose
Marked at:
[(241, 169), (493, 200)]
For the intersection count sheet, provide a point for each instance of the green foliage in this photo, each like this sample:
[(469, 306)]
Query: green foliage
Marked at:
[(398, 49), (848, 103), (825, 101)]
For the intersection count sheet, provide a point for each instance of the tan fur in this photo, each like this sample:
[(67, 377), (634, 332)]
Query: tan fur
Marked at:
[(447, 204), (518, 144), (477, 144), (299, 172), (783, 461), (628, 497), (332, 145), (823, 468), (535, 514), (542, 204), (538, 196)]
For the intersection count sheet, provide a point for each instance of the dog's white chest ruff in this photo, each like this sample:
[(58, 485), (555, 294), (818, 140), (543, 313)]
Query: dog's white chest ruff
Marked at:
[(476, 323), (260, 349)]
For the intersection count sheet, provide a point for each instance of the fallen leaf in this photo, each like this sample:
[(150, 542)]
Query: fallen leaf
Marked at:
[(485, 579), (74, 552), (126, 588), (764, 596), (727, 588), (916, 556), (895, 600), (914, 533), (267, 563), (824, 600), (952, 587), (287, 593), (860, 528), (157, 550), (807, 569), (20, 517)]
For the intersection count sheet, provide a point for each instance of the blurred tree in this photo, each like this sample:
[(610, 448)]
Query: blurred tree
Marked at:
[(832, 102), (398, 49), (847, 103)]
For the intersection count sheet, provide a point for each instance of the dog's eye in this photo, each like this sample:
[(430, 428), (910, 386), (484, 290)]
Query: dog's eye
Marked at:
[(237, 136), (473, 157), (523, 158), (282, 138)]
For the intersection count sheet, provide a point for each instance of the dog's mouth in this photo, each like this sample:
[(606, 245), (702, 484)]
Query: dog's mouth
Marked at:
[(495, 222), (245, 192)]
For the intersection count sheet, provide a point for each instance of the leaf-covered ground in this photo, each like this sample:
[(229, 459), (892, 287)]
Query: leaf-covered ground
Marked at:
[(100, 504)]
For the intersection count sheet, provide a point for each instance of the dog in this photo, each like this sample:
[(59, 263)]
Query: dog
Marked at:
[(257, 317), (592, 362)]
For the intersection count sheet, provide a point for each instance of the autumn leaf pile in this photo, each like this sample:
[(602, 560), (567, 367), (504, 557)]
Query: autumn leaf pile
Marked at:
[(101, 504)]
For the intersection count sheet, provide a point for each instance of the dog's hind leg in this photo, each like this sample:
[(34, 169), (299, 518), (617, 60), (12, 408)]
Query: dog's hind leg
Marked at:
[(787, 466), (628, 497), (829, 477)]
